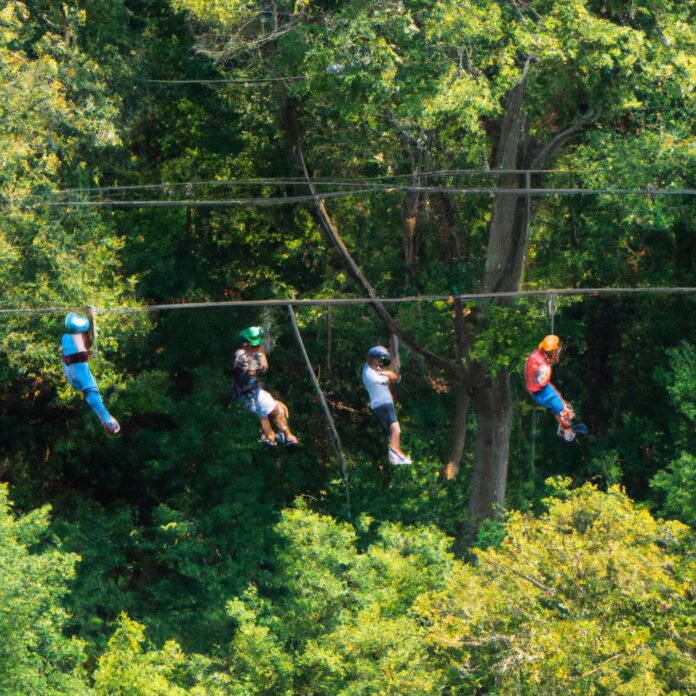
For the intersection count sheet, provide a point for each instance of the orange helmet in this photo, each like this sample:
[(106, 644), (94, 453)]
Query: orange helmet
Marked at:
[(550, 343)]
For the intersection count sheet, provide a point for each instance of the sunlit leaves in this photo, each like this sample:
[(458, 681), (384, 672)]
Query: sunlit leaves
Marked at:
[(35, 655), (592, 595)]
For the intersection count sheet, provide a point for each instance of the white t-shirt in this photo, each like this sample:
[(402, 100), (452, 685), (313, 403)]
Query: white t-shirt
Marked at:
[(377, 384)]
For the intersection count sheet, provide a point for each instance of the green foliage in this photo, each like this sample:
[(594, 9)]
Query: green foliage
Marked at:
[(35, 654), (593, 595), (339, 621), (131, 666), (183, 522), (677, 483)]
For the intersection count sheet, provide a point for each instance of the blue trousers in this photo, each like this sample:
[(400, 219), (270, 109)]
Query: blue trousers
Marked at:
[(81, 379)]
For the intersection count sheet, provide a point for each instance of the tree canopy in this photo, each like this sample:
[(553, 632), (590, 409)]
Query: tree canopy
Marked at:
[(185, 151)]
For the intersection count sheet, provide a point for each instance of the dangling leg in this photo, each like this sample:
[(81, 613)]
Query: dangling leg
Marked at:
[(564, 419), (93, 398), (279, 418), (81, 379), (269, 437), (549, 397), (386, 414)]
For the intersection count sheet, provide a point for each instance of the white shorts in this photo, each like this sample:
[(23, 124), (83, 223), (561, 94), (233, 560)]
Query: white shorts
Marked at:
[(263, 405)]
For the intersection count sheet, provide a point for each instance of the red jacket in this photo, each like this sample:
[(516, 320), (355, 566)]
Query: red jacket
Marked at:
[(537, 371)]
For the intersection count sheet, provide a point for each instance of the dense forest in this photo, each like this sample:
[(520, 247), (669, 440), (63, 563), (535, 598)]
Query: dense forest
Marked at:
[(174, 164)]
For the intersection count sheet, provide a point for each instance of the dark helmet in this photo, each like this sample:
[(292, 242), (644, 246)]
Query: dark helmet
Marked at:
[(381, 354), (252, 335)]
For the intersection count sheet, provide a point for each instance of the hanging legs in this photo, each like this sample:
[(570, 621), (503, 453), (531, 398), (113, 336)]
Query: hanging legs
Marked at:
[(93, 398), (80, 378), (279, 420), (273, 416)]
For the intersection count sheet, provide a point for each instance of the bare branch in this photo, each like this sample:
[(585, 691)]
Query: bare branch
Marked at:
[(561, 139), (450, 367)]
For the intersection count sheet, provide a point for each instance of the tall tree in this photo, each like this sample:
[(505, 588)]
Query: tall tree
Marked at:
[(408, 88)]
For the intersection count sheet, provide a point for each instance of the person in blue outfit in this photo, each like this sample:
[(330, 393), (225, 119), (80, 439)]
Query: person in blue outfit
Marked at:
[(376, 378), (250, 363), (75, 349)]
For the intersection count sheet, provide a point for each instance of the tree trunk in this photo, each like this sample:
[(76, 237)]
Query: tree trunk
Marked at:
[(493, 403), (457, 439), (507, 245)]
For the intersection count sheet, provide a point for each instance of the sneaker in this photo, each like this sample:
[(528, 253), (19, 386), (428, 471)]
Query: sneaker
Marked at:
[(267, 442), (280, 438), (290, 441), (568, 434), (398, 459), (112, 427)]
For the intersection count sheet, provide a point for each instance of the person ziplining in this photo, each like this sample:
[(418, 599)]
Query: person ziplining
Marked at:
[(376, 378), (538, 378), (250, 362), (76, 351)]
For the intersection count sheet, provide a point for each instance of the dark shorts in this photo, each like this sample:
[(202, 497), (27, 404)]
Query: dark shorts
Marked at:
[(548, 397), (386, 415)]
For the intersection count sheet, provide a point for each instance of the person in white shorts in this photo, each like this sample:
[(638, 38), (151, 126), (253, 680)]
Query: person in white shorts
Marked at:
[(376, 379), (249, 362)]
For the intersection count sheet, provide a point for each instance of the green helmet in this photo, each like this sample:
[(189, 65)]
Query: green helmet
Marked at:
[(252, 335)]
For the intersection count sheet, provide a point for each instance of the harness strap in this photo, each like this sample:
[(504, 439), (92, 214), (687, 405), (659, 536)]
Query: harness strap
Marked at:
[(81, 357)]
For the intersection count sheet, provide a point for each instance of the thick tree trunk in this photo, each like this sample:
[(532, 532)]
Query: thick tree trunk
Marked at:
[(493, 404), (507, 245), (457, 439)]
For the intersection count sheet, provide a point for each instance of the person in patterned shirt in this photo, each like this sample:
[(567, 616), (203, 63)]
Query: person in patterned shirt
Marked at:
[(538, 378), (249, 363)]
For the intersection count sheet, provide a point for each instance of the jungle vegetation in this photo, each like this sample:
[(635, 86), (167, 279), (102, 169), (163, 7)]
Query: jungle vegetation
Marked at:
[(182, 557)]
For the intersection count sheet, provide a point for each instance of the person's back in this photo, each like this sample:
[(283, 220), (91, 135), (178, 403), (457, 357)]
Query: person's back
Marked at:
[(537, 371), (245, 371), (377, 385)]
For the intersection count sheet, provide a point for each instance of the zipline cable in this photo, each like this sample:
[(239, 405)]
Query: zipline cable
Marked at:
[(242, 81), (329, 419), (291, 200), (343, 301), (318, 181)]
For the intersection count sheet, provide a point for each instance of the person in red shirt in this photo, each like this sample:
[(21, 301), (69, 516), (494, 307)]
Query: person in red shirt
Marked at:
[(538, 377)]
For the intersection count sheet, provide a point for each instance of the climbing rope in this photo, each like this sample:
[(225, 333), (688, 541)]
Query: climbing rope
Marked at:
[(551, 306), (329, 419)]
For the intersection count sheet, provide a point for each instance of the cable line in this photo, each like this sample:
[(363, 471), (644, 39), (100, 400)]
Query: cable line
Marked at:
[(244, 81), (347, 301), (318, 181), (290, 200), (329, 419)]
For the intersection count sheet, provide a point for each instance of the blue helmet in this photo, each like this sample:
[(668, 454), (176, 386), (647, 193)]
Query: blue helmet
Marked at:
[(381, 354), (76, 323)]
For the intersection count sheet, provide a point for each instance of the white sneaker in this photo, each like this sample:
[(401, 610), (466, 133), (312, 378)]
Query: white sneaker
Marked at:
[(112, 427), (398, 459), (568, 434)]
